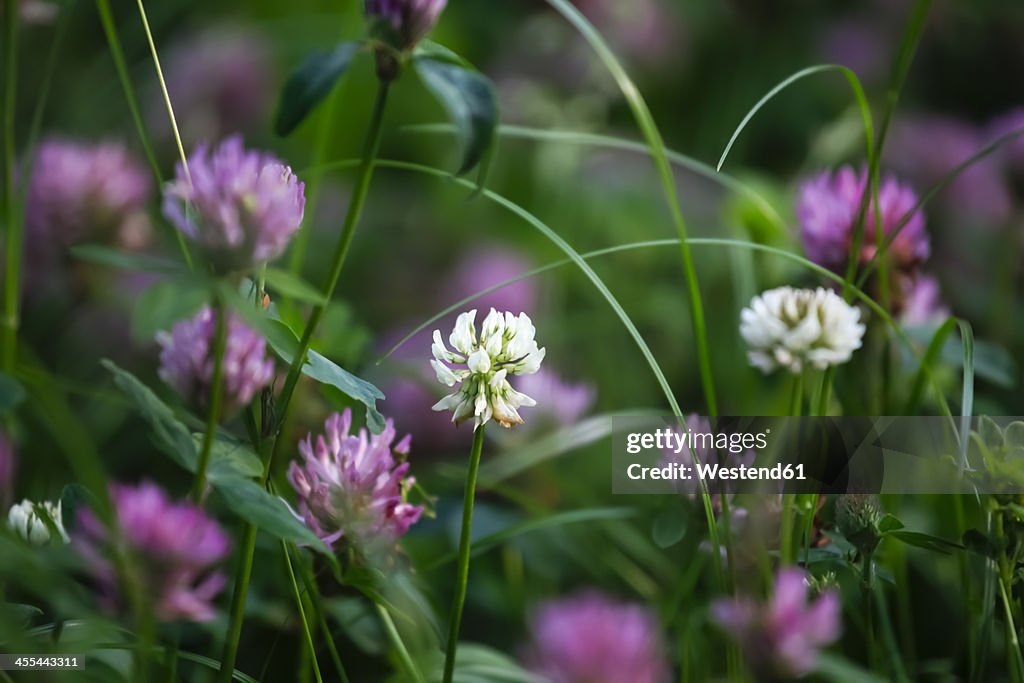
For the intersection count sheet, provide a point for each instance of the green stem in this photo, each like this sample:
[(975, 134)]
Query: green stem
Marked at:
[(825, 392), (302, 613), (867, 587), (403, 652), (216, 398), (796, 397), (309, 582), (234, 636), (892, 649), (13, 230), (462, 575), (355, 210)]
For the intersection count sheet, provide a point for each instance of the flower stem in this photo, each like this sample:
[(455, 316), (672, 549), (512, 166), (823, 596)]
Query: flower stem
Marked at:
[(462, 576), (13, 232), (230, 654), (302, 613), (396, 640), (309, 581), (216, 398), (355, 210)]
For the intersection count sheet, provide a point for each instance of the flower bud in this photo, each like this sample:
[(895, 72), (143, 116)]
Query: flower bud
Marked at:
[(34, 522), (857, 517)]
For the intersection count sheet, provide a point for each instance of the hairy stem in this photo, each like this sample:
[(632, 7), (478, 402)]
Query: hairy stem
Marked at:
[(462, 572)]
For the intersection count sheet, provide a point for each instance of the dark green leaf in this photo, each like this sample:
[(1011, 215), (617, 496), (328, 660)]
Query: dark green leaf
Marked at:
[(169, 434), (11, 393), (470, 101), (310, 83), (19, 613), (889, 523), (254, 504), (123, 260), (428, 49), (284, 343), (294, 287), (926, 541)]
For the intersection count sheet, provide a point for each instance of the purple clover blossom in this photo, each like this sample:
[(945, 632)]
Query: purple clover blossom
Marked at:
[(187, 362), (411, 19), (81, 190), (484, 267), (781, 638), (352, 487), (175, 548), (828, 206), (590, 638), (241, 206)]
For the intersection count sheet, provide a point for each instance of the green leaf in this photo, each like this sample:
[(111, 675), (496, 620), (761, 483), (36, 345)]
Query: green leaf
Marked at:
[(889, 523), (254, 504), (123, 260), (230, 457), (18, 612), (359, 623), (11, 393), (293, 287), (835, 668), (310, 84), (326, 371), (169, 434), (926, 541), (469, 99)]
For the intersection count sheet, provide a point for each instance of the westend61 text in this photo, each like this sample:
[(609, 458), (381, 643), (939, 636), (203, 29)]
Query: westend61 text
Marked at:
[(715, 472)]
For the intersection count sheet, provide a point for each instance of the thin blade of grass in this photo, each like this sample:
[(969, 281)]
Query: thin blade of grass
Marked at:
[(930, 357), (967, 399)]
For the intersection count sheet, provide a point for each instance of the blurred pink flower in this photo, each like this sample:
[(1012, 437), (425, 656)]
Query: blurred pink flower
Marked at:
[(187, 362), (411, 19), (564, 403), (173, 547), (221, 80), (922, 301), (352, 487), (828, 206), (484, 267), (1012, 152), (591, 638), (781, 638), (925, 148)]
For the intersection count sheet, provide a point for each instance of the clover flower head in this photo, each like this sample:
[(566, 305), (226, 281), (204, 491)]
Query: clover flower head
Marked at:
[(591, 638), (35, 522), (79, 190), (795, 328), (174, 548), (412, 20), (781, 638), (829, 204), (353, 487), (187, 360), (241, 206), (480, 365)]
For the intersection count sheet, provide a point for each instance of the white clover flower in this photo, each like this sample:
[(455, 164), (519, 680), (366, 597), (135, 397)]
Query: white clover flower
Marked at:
[(506, 346), (792, 328), (34, 521)]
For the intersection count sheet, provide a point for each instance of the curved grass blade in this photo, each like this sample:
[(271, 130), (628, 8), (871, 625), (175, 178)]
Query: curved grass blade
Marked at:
[(614, 143), (930, 357), (855, 86), (656, 144), (967, 399)]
